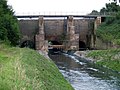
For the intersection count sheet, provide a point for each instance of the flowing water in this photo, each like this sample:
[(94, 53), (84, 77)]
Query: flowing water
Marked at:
[(86, 76)]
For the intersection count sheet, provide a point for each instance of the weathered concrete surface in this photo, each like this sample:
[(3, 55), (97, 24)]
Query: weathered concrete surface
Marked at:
[(56, 29), (53, 27), (40, 42), (28, 29), (72, 38)]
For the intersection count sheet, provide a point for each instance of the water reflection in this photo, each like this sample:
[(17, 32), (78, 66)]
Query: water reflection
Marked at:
[(84, 76)]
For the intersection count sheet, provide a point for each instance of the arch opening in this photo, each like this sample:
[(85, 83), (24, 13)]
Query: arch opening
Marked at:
[(28, 44), (54, 47), (82, 45), (55, 43)]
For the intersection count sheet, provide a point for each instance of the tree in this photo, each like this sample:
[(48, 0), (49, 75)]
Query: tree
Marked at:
[(94, 12), (110, 8), (9, 30), (103, 10), (109, 30), (116, 1)]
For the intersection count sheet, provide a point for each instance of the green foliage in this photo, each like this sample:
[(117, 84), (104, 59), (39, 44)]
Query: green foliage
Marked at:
[(110, 20), (118, 17), (109, 9), (107, 58), (9, 30), (109, 31), (112, 7), (111, 64), (94, 12), (117, 41), (3, 33), (26, 69), (116, 1)]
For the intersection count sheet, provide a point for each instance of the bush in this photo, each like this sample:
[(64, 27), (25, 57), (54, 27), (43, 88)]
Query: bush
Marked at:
[(109, 31), (9, 30)]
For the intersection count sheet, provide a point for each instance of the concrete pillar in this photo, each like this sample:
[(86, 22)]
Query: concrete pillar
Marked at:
[(70, 22), (41, 25), (41, 43), (93, 34), (97, 22), (72, 38)]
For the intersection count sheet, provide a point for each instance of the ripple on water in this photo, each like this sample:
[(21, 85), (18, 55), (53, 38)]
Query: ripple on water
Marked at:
[(82, 81), (83, 77)]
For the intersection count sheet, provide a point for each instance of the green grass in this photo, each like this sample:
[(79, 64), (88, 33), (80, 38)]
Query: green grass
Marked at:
[(25, 69), (109, 32), (107, 58)]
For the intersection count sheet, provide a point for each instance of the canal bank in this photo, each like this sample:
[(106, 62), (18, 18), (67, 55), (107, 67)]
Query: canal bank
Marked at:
[(106, 58), (84, 75), (26, 69)]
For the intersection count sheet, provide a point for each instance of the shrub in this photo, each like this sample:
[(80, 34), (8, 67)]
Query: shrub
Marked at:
[(9, 30)]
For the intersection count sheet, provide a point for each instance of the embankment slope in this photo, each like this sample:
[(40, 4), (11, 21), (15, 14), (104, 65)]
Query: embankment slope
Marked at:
[(26, 69)]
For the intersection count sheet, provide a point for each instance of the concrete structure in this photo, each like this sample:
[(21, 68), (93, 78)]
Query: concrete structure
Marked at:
[(73, 32), (40, 42)]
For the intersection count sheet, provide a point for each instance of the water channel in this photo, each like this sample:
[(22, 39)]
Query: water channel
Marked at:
[(86, 76)]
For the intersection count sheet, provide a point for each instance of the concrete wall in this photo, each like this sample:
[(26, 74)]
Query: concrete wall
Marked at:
[(28, 29), (54, 28), (82, 26)]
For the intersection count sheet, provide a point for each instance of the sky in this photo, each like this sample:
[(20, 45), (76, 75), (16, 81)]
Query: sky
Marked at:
[(56, 6)]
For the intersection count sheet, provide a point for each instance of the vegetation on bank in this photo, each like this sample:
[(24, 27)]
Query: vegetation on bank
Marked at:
[(26, 69), (109, 30), (9, 29), (107, 58)]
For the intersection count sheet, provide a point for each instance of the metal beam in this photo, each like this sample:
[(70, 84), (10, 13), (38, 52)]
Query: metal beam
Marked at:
[(53, 16)]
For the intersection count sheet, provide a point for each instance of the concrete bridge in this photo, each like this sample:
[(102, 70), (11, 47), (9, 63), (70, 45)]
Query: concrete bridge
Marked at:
[(73, 32)]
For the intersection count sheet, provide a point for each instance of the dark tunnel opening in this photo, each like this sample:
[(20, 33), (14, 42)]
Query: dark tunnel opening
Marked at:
[(54, 50), (28, 44), (82, 45), (55, 43)]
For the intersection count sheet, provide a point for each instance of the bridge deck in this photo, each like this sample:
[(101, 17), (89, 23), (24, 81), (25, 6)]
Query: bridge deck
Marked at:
[(52, 16)]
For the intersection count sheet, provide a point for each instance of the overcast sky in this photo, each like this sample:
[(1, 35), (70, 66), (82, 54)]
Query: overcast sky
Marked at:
[(56, 6)]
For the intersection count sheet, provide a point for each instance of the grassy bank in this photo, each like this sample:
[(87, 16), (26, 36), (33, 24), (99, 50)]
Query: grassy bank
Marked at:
[(25, 69), (109, 32), (107, 58)]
